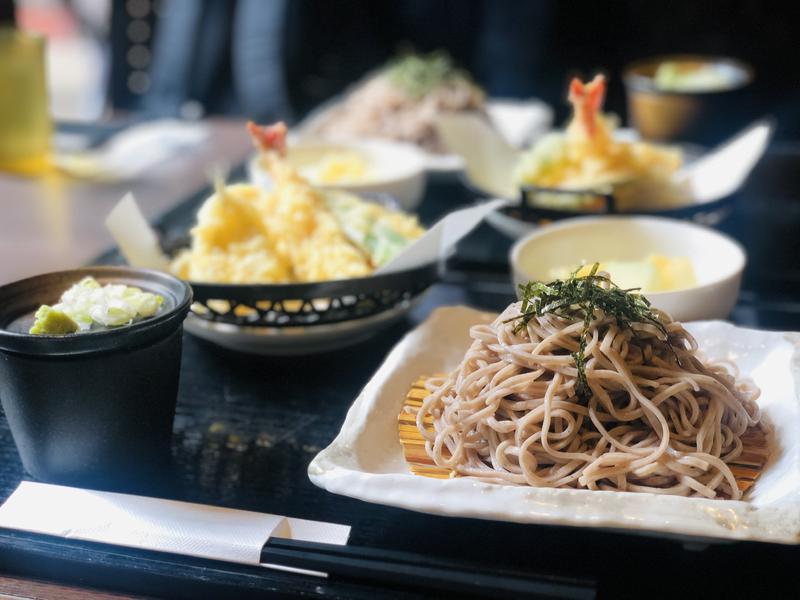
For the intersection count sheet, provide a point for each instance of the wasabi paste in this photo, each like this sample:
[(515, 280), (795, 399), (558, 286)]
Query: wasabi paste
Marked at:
[(87, 305)]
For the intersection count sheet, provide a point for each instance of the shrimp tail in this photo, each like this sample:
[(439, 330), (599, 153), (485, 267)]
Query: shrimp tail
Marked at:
[(587, 100), (269, 137)]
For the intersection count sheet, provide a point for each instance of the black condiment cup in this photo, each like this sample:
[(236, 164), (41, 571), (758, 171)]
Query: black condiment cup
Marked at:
[(92, 409)]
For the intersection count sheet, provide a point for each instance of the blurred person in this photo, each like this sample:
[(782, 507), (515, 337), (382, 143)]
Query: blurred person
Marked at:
[(278, 59), (6, 12), (270, 59)]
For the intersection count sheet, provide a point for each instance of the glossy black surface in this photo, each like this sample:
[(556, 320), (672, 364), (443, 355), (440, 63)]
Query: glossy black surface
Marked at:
[(93, 408), (95, 420), (246, 428)]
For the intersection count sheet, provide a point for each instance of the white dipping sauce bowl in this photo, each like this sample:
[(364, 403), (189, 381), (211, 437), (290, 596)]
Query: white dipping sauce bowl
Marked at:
[(718, 260), (394, 168)]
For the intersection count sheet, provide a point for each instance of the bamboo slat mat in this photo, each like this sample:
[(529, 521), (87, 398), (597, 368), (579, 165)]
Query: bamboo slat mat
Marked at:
[(746, 469)]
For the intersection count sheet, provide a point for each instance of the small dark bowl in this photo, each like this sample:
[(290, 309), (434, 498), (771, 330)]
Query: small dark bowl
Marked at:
[(702, 116), (92, 409)]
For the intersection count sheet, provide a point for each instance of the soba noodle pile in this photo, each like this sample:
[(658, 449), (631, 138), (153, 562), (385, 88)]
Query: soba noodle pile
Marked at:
[(635, 407)]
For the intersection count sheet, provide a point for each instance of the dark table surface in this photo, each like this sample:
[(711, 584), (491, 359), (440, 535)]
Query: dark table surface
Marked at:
[(248, 426)]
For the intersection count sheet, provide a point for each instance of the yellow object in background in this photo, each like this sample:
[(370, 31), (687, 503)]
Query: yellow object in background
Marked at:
[(343, 167), (656, 273), (25, 125)]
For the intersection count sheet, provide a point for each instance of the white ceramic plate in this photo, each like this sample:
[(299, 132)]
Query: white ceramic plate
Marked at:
[(365, 461), (398, 169), (295, 341)]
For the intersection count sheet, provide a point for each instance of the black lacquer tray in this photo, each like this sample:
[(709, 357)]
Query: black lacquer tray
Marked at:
[(247, 427)]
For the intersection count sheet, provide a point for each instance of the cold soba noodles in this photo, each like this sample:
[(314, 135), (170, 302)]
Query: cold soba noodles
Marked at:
[(584, 385)]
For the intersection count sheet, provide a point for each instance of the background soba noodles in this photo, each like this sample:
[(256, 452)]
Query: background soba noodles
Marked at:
[(655, 418)]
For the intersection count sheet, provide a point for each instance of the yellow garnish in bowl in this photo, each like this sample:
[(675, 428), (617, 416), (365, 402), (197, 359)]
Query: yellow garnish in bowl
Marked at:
[(656, 273), (341, 168)]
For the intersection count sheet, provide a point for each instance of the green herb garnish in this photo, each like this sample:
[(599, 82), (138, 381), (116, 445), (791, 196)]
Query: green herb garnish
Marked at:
[(581, 297), (419, 74)]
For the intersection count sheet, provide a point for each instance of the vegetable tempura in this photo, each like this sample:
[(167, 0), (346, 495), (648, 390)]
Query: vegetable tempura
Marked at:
[(293, 233), (589, 155)]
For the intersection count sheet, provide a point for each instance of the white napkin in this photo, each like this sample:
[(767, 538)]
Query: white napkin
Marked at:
[(156, 524), (723, 170), (440, 239), (135, 151), (136, 239), (489, 159), (520, 121)]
